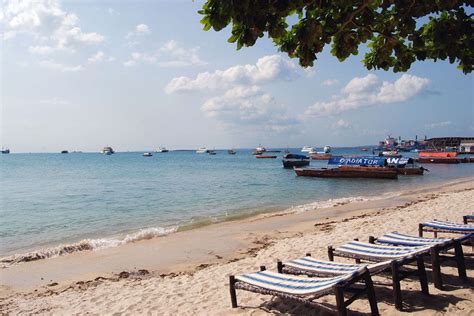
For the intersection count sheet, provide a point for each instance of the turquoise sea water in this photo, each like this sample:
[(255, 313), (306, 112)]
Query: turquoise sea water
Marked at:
[(53, 199)]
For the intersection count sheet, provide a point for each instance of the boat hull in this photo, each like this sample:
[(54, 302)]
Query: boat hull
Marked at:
[(349, 172), (320, 156), (411, 171), (265, 157), (291, 163), (447, 160)]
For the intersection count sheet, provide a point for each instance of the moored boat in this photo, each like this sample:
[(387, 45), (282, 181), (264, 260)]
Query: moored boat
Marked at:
[(307, 149), (64, 152), (162, 150), (202, 150), (405, 166), (320, 156), (265, 157), (231, 152), (291, 160), (438, 154), (259, 150), (108, 150), (147, 154), (440, 160), (5, 150), (211, 152), (349, 172)]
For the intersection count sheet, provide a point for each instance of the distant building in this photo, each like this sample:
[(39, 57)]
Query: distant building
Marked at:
[(461, 144), (466, 146)]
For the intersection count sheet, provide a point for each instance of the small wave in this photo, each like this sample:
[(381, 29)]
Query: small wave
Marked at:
[(84, 245), (329, 203)]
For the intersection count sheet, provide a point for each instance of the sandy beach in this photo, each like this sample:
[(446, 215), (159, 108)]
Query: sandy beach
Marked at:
[(186, 272)]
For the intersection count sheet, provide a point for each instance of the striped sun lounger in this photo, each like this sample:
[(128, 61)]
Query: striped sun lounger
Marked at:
[(399, 256), (437, 246), (436, 226), (305, 290), (468, 219)]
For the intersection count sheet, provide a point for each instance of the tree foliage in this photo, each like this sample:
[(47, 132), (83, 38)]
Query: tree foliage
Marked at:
[(396, 32)]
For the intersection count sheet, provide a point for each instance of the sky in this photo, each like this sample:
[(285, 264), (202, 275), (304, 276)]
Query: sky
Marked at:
[(135, 75)]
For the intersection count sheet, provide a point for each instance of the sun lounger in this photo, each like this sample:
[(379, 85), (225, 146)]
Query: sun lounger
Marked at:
[(305, 290), (436, 227), (399, 256), (468, 219), (437, 246)]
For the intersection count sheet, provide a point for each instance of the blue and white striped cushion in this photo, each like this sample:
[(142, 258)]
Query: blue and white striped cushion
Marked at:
[(469, 216), (469, 228), (311, 264), (395, 238), (380, 251), (292, 284)]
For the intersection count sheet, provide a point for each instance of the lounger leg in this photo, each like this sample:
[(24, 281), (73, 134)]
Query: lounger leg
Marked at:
[(459, 255), (233, 295), (279, 266), (341, 308), (369, 286), (397, 293), (436, 268), (331, 253), (422, 275), (420, 230)]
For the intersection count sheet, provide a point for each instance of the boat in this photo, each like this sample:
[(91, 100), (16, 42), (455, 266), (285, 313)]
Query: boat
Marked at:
[(259, 150), (291, 160), (64, 152), (161, 150), (406, 166), (307, 149), (389, 153), (147, 154), (265, 157), (352, 167), (5, 150), (211, 152), (320, 156), (108, 150), (440, 160), (202, 150), (364, 149), (439, 154), (231, 152), (327, 149)]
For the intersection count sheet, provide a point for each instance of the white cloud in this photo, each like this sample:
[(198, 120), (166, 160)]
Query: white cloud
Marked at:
[(438, 124), (142, 29), (330, 82), (171, 54), (266, 69), (251, 107), (112, 12), (60, 67), (99, 57), (367, 91), (341, 124), (51, 27)]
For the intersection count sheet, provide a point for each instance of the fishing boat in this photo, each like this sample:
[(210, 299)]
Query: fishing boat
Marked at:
[(5, 150), (352, 167), (212, 152), (265, 157), (147, 154), (439, 160), (231, 152), (406, 166), (108, 150), (320, 156), (438, 154), (291, 160), (64, 152), (161, 150), (202, 150)]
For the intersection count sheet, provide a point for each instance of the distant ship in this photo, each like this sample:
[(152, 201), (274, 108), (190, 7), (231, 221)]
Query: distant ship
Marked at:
[(259, 150), (307, 149), (202, 150), (64, 152), (5, 150), (161, 150), (231, 152), (147, 154), (108, 151)]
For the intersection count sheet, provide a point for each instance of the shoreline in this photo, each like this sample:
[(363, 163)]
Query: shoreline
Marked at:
[(99, 243), (191, 250)]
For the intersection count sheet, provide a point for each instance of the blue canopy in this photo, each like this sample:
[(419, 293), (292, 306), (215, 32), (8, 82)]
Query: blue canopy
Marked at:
[(358, 161)]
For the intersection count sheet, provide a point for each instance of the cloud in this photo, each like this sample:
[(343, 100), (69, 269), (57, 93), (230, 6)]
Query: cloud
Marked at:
[(61, 67), (330, 82), (341, 124), (367, 91), (249, 106), (439, 124), (171, 54), (99, 57), (266, 69), (140, 29), (49, 25)]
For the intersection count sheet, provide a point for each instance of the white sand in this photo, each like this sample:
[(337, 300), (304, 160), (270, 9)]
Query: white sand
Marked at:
[(205, 291)]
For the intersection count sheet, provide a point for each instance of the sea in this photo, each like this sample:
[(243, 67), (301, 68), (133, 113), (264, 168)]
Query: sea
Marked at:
[(53, 204)]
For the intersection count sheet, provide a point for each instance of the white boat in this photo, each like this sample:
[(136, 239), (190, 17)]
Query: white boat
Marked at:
[(147, 154), (307, 149), (108, 151), (202, 150), (161, 150), (327, 149), (259, 150)]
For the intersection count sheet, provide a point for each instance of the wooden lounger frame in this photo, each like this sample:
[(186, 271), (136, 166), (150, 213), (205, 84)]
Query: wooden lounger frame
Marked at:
[(396, 269), (348, 286), (437, 258), (467, 220)]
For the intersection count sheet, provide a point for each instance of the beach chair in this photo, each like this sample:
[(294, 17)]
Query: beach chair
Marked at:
[(436, 227), (305, 290), (437, 247), (399, 256), (468, 219)]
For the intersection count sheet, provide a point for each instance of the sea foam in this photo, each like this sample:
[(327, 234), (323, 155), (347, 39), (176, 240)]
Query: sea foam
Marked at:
[(85, 245)]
